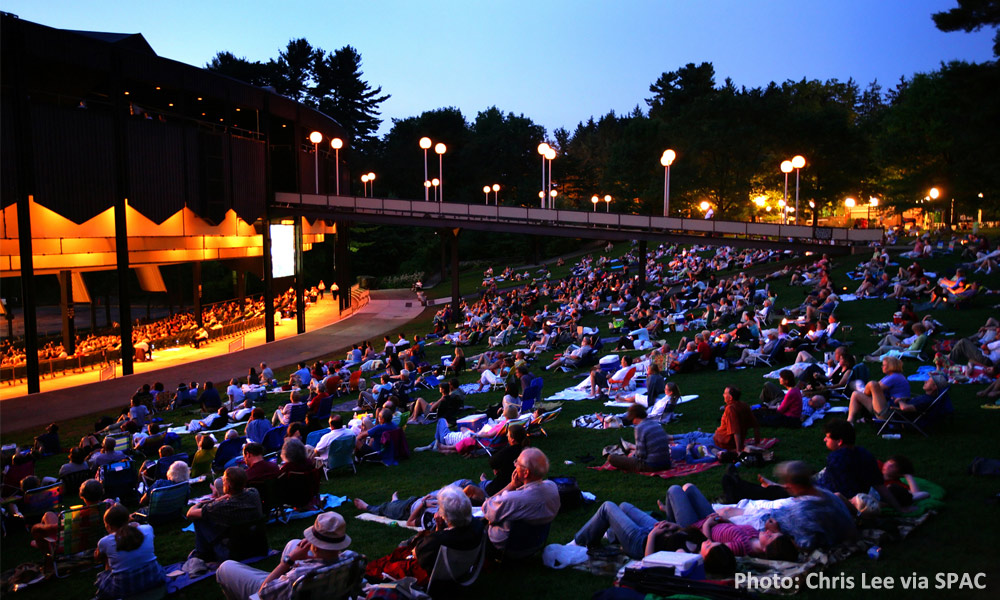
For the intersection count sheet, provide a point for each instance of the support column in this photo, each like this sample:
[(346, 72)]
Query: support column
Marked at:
[(342, 263), (300, 284), (24, 155), (196, 292), (456, 297), (241, 290), (445, 236), (642, 266), (122, 191), (68, 313)]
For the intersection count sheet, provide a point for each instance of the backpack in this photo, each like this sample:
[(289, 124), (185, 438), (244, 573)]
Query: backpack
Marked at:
[(570, 496)]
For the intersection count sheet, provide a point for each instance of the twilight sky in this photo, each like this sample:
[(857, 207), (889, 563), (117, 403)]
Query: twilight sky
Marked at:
[(558, 62)]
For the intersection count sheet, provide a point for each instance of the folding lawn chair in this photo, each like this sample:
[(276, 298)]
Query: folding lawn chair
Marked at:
[(341, 454), (457, 567), (38, 501), (166, 503), (940, 406), (80, 528), (535, 426)]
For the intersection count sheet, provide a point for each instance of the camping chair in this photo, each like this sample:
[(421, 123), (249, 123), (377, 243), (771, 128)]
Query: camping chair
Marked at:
[(771, 359), (916, 353), (71, 483), (167, 503), (457, 567), (858, 373), (524, 540), (322, 411), (273, 439), (298, 413), (39, 501), (902, 419), (354, 381), (335, 582), (314, 436), (341, 454), (394, 447), (80, 528), (622, 385), (532, 394), (535, 426), (120, 480), (151, 445), (15, 473), (298, 489), (228, 450)]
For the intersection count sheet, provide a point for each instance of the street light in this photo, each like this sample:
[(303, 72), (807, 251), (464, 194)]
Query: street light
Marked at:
[(486, 191), (934, 193), (666, 160), (364, 184), (786, 168), (337, 144), (595, 200), (425, 143), (549, 155), (371, 188), (552, 198), (607, 202), (496, 194), (872, 202), (849, 203), (436, 183), (543, 149), (798, 162), (441, 149), (316, 137)]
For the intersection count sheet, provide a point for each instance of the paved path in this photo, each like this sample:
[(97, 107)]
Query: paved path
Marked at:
[(386, 311)]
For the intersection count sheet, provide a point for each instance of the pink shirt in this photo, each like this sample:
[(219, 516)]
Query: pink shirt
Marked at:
[(791, 404)]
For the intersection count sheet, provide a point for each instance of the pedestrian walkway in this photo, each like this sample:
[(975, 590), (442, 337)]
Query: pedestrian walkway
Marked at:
[(387, 310)]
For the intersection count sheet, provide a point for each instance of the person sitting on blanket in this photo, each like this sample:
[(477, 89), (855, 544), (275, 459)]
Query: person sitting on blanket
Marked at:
[(878, 395), (652, 446), (454, 527), (131, 566), (413, 508), (850, 469), (789, 412), (737, 420), (891, 345), (598, 382), (324, 544)]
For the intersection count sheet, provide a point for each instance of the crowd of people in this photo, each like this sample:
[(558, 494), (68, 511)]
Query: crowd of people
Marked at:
[(707, 292)]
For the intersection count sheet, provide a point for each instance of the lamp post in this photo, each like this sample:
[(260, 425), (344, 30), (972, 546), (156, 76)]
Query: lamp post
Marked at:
[(666, 160), (371, 186), (782, 204), (594, 199), (607, 203), (440, 149), (549, 155), (812, 206), (496, 194), (486, 191), (337, 144), (543, 149), (552, 198), (849, 203), (364, 184), (786, 168), (425, 143), (798, 162), (436, 183), (872, 202), (316, 137)]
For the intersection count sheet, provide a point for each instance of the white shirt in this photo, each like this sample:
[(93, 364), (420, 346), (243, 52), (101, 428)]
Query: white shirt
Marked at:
[(236, 393), (323, 446)]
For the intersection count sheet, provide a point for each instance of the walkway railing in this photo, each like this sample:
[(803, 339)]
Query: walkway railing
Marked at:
[(418, 209)]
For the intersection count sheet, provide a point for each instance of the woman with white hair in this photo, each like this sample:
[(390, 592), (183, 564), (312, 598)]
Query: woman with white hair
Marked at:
[(178, 472), (454, 528)]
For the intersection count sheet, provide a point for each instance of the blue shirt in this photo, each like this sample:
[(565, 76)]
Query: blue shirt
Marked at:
[(895, 385), (652, 445)]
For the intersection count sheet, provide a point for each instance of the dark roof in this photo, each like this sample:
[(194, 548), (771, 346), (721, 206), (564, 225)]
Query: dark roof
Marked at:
[(132, 41)]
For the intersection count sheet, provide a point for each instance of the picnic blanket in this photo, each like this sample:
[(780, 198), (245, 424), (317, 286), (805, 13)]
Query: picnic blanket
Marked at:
[(387, 521), (182, 430), (640, 398), (177, 579), (678, 471)]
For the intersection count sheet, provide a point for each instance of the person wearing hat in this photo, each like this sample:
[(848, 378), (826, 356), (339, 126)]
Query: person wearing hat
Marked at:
[(324, 544)]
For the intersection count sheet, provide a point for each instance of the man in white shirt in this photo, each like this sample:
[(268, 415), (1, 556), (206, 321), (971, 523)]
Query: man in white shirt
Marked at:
[(337, 430), (235, 393)]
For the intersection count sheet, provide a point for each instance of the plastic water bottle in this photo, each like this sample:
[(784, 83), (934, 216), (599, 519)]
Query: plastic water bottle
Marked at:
[(891, 436), (875, 552)]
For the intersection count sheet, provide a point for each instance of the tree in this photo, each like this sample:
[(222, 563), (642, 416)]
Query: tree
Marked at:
[(971, 15)]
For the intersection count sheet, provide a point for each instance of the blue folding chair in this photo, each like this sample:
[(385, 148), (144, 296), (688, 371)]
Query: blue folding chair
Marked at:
[(274, 438), (314, 436), (226, 451)]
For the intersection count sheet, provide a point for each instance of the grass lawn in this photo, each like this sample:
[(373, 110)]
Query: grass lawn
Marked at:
[(960, 539)]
